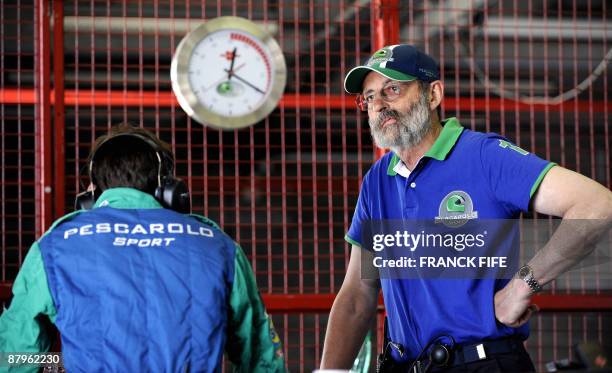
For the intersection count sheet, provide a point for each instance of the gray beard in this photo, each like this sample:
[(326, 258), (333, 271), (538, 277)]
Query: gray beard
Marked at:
[(409, 129)]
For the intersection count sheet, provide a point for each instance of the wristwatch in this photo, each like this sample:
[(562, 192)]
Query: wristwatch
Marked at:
[(526, 273)]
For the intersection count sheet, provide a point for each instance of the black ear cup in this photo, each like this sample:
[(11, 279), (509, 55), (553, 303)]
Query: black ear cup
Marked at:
[(86, 200), (173, 194)]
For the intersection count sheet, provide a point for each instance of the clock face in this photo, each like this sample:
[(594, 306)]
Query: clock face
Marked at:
[(228, 73)]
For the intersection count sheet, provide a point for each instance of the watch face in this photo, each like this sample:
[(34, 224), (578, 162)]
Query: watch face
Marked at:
[(228, 73), (524, 271)]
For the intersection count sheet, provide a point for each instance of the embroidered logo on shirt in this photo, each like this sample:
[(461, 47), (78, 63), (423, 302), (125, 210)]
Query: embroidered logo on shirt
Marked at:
[(276, 342), (456, 208), (506, 145)]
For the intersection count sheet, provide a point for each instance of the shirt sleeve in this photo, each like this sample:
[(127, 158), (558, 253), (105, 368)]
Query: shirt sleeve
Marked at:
[(252, 344), (21, 326), (361, 214), (513, 174)]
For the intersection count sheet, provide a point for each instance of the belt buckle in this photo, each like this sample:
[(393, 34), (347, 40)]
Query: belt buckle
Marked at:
[(481, 351)]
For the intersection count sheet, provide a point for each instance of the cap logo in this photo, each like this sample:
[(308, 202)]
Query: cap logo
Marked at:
[(428, 73), (382, 55)]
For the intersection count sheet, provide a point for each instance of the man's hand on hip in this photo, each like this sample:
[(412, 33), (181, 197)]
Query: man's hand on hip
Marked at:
[(513, 304)]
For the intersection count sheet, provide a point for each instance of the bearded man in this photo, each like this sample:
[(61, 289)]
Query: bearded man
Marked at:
[(437, 168)]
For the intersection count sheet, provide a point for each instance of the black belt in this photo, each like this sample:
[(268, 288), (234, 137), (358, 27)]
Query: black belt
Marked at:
[(465, 354), (470, 353)]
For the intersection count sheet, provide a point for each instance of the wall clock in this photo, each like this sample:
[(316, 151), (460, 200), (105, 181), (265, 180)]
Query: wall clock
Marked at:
[(228, 73)]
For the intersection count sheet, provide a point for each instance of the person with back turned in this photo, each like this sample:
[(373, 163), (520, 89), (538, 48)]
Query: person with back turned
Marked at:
[(136, 283)]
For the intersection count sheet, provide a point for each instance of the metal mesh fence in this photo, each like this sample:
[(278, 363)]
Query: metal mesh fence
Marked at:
[(17, 126), (286, 188)]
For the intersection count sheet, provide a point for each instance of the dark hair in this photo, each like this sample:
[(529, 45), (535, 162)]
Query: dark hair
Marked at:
[(129, 161)]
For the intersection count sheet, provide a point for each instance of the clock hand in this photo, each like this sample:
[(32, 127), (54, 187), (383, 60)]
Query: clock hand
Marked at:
[(225, 78), (245, 82), (231, 69)]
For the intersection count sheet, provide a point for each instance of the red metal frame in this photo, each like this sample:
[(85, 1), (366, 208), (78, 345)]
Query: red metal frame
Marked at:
[(288, 101), (59, 184), (385, 20), (385, 31), (43, 132), (321, 303)]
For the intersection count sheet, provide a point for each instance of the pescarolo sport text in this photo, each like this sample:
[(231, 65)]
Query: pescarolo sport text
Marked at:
[(139, 235)]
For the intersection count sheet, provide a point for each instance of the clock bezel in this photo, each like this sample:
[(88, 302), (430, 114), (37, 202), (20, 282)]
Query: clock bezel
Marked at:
[(179, 74)]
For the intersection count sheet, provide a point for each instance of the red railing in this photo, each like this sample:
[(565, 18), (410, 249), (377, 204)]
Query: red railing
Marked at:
[(288, 101), (321, 303), (296, 173)]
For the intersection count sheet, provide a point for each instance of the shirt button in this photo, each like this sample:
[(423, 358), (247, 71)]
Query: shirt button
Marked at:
[(413, 185)]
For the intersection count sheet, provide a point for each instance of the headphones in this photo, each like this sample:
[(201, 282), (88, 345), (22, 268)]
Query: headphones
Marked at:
[(171, 192)]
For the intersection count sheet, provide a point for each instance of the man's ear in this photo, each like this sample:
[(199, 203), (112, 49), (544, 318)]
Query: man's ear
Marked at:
[(436, 94)]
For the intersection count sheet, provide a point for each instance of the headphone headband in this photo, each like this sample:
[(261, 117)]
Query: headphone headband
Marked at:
[(111, 138), (170, 192), (165, 155)]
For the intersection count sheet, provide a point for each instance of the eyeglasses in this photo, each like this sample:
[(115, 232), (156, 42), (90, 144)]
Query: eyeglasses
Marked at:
[(388, 93)]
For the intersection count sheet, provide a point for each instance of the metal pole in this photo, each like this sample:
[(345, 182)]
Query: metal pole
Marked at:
[(59, 179), (43, 160), (385, 31)]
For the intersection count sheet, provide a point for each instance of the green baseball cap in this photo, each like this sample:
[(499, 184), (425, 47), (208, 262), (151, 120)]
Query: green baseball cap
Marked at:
[(401, 62)]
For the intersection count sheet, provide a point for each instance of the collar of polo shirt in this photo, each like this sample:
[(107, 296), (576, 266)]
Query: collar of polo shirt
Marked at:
[(451, 131)]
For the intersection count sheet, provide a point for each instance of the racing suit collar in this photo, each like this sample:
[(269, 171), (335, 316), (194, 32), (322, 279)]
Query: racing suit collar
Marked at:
[(126, 198)]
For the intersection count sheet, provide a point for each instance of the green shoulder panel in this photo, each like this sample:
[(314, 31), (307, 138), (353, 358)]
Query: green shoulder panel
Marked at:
[(205, 220), (253, 344), (21, 329), (61, 220)]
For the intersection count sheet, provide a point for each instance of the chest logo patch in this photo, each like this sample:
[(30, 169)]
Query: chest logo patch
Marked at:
[(456, 208)]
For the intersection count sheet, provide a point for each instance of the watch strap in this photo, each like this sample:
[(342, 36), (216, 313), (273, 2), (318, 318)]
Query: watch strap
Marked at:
[(533, 284)]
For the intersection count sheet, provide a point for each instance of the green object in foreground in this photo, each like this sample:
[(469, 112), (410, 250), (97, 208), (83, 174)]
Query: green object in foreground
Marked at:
[(362, 362)]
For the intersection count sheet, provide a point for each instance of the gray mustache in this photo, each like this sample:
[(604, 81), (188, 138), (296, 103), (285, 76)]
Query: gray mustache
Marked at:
[(384, 115)]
